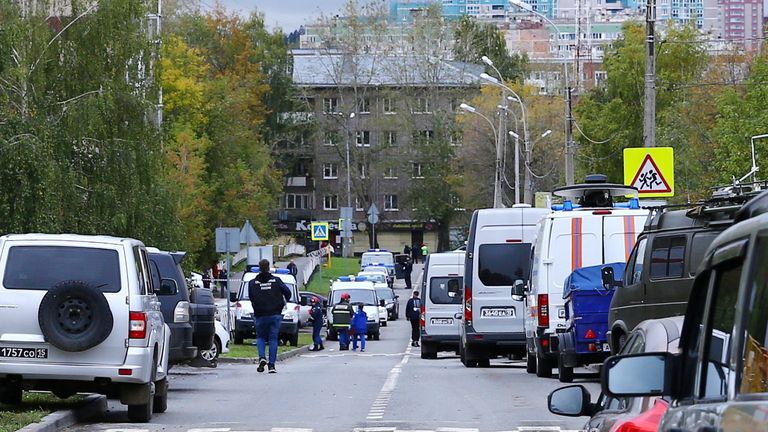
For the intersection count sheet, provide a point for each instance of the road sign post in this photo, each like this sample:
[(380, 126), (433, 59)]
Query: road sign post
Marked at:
[(228, 242), (373, 219)]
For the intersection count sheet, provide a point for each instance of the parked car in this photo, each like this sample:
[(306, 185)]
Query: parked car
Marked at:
[(441, 294), (190, 313), (660, 271), (377, 267), (627, 414), (718, 379), (588, 229), (112, 338), (380, 257), (244, 325), (391, 301), (360, 291), (220, 344), (498, 255)]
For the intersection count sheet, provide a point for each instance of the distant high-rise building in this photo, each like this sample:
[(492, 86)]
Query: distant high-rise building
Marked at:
[(741, 23), (452, 9)]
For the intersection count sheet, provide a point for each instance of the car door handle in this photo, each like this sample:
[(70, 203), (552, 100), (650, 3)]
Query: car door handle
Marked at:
[(457, 315)]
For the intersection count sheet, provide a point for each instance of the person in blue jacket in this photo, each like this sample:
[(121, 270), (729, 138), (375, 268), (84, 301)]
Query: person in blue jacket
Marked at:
[(359, 328), (316, 315)]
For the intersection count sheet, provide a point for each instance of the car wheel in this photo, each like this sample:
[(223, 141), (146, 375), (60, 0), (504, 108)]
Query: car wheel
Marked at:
[(384, 324), (238, 338), (564, 374), (543, 367), (74, 316), (160, 404), (10, 394), (484, 363), (466, 359), (294, 339), (142, 413), (213, 353), (530, 363)]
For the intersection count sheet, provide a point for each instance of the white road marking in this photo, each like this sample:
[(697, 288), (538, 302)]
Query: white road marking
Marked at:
[(379, 406)]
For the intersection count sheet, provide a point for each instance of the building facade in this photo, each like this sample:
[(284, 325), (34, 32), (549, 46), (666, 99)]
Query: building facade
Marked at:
[(405, 10)]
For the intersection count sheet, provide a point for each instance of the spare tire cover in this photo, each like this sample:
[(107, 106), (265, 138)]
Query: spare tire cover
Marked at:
[(74, 316)]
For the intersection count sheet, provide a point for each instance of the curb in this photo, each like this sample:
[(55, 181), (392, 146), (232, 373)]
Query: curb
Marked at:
[(92, 405), (253, 360)]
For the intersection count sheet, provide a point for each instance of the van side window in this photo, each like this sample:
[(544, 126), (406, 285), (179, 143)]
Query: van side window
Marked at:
[(503, 264), (714, 368), (439, 292), (667, 257), (754, 373), (636, 262)]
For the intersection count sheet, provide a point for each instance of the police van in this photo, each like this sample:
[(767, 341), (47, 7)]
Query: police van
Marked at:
[(379, 257), (289, 327), (360, 290), (498, 255), (441, 293), (588, 229)]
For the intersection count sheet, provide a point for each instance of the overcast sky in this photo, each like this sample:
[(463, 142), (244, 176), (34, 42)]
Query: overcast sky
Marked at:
[(287, 14)]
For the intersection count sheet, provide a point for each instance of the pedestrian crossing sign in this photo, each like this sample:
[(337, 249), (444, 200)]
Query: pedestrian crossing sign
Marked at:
[(651, 170), (319, 231)]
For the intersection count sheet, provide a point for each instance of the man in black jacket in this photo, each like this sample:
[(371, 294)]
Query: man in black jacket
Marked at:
[(413, 314), (268, 296)]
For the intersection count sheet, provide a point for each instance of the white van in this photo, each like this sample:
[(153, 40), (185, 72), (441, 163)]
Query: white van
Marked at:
[(360, 290), (441, 301), (498, 254), (587, 230)]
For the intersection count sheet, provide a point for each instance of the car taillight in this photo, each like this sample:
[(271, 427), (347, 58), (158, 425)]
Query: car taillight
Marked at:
[(468, 305), (422, 316), (648, 421), (543, 310), (138, 325), (181, 312)]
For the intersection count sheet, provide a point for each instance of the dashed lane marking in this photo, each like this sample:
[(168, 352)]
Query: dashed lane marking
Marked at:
[(379, 406)]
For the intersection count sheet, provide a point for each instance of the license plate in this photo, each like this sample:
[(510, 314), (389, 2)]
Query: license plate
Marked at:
[(27, 353), (497, 313), (441, 321), (606, 347)]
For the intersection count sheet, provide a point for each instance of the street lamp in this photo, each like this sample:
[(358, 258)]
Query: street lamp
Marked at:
[(568, 116), (497, 203), (348, 240), (514, 135)]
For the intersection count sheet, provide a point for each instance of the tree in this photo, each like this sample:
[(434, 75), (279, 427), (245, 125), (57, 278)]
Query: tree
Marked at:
[(474, 39)]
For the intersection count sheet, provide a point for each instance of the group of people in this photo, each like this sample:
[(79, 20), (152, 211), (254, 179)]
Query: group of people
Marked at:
[(349, 322), (417, 251)]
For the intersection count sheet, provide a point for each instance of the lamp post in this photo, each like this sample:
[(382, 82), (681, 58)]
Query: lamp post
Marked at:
[(497, 182), (517, 165), (348, 240), (568, 115)]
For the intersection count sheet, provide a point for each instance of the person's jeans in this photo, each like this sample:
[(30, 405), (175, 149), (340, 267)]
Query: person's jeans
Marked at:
[(355, 337), (344, 336), (316, 339), (267, 327)]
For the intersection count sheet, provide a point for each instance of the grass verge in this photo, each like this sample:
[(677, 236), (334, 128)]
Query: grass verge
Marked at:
[(339, 267), (247, 350), (34, 406)]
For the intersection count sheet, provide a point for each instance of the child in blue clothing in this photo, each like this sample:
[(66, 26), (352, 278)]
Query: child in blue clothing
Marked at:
[(359, 327)]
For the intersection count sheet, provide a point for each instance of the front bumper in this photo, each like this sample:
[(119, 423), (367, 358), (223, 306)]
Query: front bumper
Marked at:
[(138, 360), (373, 327)]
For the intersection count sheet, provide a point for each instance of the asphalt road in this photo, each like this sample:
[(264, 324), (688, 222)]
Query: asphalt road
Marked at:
[(387, 388)]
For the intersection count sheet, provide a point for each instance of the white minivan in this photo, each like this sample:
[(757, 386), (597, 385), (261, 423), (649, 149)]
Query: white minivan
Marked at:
[(587, 230), (498, 255), (361, 291), (441, 303)]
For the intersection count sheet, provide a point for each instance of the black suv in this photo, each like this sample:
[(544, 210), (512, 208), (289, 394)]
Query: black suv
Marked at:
[(659, 273), (718, 380), (189, 312)]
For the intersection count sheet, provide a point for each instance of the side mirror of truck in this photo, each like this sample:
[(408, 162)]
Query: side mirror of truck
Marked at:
[(518, 288), (608, 279)]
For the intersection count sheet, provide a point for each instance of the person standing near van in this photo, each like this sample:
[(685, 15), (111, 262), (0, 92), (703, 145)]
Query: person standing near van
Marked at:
[(424, 252), (413, 314), (407, 270), (316, 315), (268, 296), (359, 328), (415, 253), (342, 318)]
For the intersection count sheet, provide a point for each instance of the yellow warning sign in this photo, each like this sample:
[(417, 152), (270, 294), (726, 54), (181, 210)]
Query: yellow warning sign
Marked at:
[(651, 170)]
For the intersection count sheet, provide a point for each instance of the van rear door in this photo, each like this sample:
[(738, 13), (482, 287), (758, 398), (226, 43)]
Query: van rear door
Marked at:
[(442, 306), (620, 235)]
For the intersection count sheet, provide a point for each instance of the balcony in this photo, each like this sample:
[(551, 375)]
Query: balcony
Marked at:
[(296, 181)]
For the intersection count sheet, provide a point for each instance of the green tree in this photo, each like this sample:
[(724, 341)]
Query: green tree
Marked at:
[(473, 40)]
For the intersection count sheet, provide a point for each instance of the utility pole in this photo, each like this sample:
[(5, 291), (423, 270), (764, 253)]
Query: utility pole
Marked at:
[(569, 176), (498, 201), (649, 119)]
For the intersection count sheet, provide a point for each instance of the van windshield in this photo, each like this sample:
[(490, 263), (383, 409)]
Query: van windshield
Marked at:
[(376, 257), (364, 296), (503, 264), (438, 290), (97, 267)]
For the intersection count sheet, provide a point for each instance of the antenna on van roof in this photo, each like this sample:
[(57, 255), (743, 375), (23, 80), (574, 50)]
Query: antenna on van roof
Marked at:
[(595, 192)]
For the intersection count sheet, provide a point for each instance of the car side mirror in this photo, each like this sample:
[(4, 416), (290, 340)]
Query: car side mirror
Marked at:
[(303, 301), (638, 375), (608, 279), (518, 288), (383, 302), (167, 287), (571, 401), (233, 297)]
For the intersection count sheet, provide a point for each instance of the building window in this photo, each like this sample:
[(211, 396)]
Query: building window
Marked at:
[(417, 170), (390, 138), (363, 138), (297, 201), (388, 106), (330, 171), (364, 169), (600, 77), (361, 202), (390, 173), (331, 138), (364, 105), (390, 203), (423, 136), (330, 202), (422, 106), (330, 105)]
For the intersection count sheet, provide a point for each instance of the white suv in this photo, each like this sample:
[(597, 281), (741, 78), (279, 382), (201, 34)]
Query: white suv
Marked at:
[(79, 314)]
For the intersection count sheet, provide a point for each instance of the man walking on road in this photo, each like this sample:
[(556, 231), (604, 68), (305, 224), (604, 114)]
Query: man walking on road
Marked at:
[(268, 296), (342, 318), (413, 314)]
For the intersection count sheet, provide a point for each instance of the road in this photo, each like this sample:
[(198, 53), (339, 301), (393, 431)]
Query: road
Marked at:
[(387, 388)]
